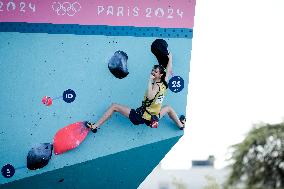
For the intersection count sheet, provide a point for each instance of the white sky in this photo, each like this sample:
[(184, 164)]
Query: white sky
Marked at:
[(236, 78)]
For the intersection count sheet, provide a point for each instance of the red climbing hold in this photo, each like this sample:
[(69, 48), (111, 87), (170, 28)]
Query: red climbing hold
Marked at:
[(70, 137), (46, 100)]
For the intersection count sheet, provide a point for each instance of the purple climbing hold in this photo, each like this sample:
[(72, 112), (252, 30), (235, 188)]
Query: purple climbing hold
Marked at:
[(118, 65)]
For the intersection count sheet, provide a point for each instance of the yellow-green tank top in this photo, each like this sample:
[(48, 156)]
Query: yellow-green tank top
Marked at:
[(155, 105)]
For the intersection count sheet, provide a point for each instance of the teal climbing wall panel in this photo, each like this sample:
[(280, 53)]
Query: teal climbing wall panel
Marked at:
[(119, 170), (47, 59)]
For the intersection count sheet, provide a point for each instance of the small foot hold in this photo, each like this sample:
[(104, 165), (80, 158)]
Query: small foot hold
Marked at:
[(182, 120), (91, 125)]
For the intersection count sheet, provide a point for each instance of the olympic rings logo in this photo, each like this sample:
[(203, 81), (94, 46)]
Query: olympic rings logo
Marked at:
[(66, 8)]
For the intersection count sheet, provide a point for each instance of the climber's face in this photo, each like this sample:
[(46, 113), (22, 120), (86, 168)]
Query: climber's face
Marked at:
[(156, 73)]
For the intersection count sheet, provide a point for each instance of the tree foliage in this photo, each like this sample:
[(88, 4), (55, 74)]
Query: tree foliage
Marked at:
[(211, 183), (258, 161), (179, 184)]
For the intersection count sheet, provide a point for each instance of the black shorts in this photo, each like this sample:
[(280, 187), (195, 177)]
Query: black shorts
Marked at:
[(137, 119)]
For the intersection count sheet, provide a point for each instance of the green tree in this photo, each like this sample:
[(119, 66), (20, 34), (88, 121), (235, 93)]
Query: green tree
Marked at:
[(258, 161), (179, 184), (211, 183)]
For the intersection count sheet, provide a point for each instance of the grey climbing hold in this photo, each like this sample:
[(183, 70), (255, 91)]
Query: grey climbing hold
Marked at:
[(118, 65), (39, 156)]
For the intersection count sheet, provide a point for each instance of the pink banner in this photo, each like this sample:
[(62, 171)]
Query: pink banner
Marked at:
[(142, 13)]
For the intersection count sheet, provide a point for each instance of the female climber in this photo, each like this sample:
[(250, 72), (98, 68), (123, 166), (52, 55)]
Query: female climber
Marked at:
[(150, 111)]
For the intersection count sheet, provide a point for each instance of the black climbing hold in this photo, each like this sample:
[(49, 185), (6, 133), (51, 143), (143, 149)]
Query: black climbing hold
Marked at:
[(39, 156), (160, 49), (183, 120), (118, 65)]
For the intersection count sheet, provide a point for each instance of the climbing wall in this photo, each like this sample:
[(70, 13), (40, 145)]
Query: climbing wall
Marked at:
[(54, 58)]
